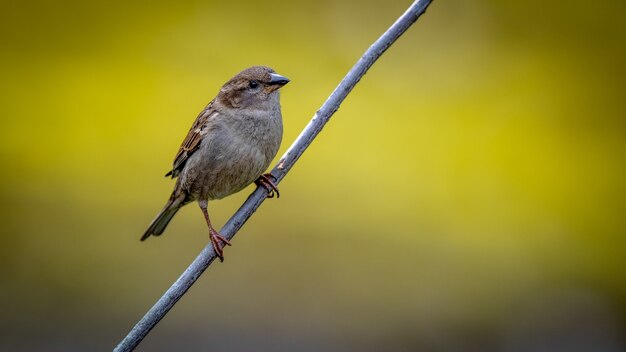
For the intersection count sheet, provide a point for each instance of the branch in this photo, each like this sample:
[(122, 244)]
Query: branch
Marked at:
[(204, 259)]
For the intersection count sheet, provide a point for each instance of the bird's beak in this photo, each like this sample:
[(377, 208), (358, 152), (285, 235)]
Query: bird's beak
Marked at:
[(276, 79)]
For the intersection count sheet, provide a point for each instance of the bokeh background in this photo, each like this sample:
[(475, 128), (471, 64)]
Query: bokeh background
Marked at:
[(469, 195)]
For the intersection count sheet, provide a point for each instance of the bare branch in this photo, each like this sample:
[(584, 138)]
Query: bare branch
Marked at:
[(207, 255)]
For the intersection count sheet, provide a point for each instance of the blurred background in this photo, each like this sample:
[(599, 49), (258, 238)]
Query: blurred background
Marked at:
[(469, 194)]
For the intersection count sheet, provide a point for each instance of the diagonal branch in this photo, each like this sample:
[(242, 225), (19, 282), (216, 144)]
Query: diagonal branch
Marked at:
[(207, 255)]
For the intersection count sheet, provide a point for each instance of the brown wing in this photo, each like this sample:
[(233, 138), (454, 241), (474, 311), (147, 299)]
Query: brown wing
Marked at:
[(192, 141)]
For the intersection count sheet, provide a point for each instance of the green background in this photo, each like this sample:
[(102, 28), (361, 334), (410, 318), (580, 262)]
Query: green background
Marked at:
[(468, 195)]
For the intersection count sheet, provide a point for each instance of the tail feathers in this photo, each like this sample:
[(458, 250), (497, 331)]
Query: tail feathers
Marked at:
[(159, 224)]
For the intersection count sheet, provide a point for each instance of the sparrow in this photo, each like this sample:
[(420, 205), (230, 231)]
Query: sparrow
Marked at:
[(231, 143)]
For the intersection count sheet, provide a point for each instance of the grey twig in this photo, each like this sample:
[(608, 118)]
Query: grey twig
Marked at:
[(204, 259)]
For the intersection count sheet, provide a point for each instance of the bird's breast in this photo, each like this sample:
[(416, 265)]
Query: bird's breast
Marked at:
[(234, 151)]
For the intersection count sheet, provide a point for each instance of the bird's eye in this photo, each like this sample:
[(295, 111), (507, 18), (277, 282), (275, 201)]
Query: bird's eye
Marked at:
[(254, 84)]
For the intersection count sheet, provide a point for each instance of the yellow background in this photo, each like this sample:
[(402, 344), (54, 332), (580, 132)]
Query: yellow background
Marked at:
[(468, 195)]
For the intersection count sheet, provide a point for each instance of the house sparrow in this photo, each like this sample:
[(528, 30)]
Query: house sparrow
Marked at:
[(228, 147)]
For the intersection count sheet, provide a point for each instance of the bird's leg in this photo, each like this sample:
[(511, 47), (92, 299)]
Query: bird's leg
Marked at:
[(265, 181), (214, 236)]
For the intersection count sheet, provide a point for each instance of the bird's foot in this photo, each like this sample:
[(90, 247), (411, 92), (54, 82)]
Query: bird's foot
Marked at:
[(216, 240), (265, 180)]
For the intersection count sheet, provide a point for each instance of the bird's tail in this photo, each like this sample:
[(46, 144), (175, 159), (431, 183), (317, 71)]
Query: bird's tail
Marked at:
[(159, 224)]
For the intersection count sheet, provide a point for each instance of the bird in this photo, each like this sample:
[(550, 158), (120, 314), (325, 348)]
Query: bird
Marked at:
[(228, 147)]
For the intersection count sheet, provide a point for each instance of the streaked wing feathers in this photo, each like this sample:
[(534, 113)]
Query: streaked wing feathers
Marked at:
[(192, 141)]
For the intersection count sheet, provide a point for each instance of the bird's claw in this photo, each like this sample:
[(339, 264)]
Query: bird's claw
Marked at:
[(265, 181), (216, 238)]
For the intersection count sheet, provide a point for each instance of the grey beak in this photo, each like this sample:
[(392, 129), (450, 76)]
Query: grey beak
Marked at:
[(278, 79)]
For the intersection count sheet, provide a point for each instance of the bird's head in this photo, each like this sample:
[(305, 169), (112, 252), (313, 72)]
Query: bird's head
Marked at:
[(254, 86)]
